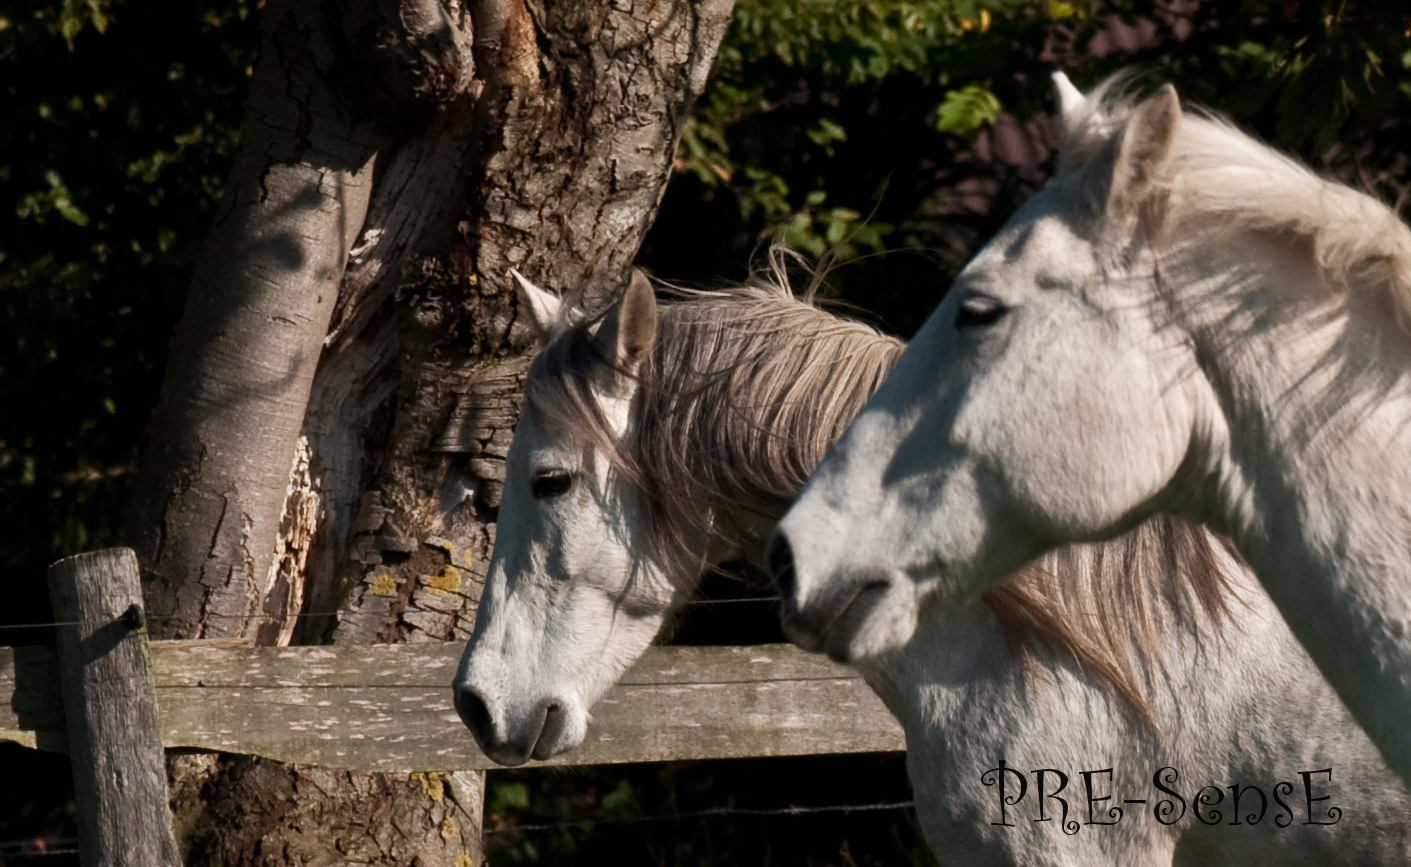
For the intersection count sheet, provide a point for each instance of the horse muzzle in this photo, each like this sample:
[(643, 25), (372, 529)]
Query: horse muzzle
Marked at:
[(540, 733), (850, 614)]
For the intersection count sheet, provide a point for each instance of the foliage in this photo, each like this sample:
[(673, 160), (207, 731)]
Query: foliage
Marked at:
[(122, 123), (1308, 73), (784, 55), (881, 109), (966, 110)]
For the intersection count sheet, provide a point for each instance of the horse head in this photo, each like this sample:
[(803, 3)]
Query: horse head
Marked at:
[(574, 592), (1043, 402)]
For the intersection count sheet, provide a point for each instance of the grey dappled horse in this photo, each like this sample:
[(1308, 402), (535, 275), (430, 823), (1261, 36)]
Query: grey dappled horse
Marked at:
[(657, 442), (1183, 321)]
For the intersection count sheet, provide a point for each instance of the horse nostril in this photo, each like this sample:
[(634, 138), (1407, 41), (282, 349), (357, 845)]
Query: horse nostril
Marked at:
[(780, 558), (474, 713)]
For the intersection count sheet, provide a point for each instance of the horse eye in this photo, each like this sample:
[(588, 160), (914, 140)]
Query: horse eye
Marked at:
[(979, 310), (551, 484)]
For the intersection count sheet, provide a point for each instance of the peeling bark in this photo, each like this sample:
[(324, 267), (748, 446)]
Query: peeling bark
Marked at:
[(504, 134)]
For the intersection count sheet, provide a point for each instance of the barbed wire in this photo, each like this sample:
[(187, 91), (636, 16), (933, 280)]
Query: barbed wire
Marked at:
[(69, 845), (37, 846), (218, 616), (713, 811), (707, 813)]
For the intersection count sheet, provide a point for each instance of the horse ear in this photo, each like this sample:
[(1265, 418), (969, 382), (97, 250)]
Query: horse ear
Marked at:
[(1070, 101), (544, 308), (1142, 154), (630, 328)]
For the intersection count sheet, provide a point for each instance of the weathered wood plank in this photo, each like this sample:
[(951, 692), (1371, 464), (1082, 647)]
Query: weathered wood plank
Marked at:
[(31, 709), (120, 780), (217, 663), (388, 707)]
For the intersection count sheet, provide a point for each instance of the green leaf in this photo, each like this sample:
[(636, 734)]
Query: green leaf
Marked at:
[(619, 803), (963, 112), (508, 795), (76, 14), (798, 233), (826, 133), (69, 211)]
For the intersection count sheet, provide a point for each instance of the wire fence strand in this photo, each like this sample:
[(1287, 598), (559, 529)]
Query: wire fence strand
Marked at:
[(707, 813), (218, 616), (41, 846)]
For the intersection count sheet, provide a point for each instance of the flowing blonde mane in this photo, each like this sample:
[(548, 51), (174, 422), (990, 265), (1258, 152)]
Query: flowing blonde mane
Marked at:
[(1220, 182), (744, 391)]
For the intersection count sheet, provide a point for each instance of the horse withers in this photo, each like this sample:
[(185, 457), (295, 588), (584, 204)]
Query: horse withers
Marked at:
[(1183, 321), (643, 459)]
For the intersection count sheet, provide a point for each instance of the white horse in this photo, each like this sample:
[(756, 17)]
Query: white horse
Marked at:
[(1183, 321), (657, 443)]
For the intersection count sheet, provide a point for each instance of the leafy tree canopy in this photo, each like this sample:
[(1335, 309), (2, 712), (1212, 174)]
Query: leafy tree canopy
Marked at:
[(819, 113)]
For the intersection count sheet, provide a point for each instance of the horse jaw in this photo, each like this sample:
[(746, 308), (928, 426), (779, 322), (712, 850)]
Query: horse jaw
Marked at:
[(525, 687), (548, 645)]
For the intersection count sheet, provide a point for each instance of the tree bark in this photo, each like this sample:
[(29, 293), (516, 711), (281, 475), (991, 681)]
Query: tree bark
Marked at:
[(333, 427), (212, 487)]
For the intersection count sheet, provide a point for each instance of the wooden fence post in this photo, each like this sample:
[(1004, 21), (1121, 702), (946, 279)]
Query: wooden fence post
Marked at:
[(110, 712)]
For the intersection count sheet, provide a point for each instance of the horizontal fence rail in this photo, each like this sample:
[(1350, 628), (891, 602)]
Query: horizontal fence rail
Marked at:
[(388, 707)]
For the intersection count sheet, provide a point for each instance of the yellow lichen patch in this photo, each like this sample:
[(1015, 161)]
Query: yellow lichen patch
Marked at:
[(448, 582), (433, 784), (448, 828), (464, 860), (383, 584), (459, 557)]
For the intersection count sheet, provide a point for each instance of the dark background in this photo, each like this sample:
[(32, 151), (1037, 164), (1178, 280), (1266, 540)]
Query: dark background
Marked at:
[(890, 138)]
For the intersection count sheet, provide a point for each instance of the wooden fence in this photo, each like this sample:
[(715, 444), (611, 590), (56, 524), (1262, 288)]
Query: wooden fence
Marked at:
[(388, 707)]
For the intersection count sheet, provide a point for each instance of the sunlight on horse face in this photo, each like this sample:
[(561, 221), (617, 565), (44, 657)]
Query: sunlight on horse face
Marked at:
[(573, 595), (1042, 401)]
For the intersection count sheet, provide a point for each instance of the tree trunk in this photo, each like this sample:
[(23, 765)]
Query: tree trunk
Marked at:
[(332, 430)]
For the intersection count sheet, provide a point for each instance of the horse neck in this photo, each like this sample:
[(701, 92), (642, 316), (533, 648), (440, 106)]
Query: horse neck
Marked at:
[(1311, 439)]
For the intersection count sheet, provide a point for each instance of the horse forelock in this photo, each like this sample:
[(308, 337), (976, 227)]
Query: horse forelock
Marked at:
[(1220, 182), (744, 391)]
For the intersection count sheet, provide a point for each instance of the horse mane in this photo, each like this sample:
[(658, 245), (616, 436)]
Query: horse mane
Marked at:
[(1106, 604), (1220, 181), (744, 391)]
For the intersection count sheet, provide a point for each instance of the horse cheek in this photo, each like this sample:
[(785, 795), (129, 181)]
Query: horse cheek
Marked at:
[(1087, 440)]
